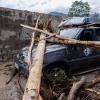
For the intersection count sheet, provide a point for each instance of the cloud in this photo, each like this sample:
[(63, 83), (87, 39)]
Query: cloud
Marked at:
[(46, 6)]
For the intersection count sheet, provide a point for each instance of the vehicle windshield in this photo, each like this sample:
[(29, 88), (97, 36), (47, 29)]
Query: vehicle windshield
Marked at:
[(70, 32)]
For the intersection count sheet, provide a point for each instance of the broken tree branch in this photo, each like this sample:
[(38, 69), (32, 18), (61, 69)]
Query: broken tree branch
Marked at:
[(93, 82), (38, 30), (33, 83), (48, 37), (31, 45), (62, 40), (76, 86), (92, 91), (61, 96)]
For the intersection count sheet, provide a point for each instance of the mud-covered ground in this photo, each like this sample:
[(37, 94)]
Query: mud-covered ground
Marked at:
[(11, 91), (14, 90)]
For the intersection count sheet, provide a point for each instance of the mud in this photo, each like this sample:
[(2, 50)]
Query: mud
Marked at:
[(14, 90), (11, 91)]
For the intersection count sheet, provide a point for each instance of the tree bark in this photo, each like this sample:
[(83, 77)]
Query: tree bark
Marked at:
[(62, 40), (61, 96), (33, 83), (92, 91), (92, 83), (76, 86), (31, 46), (94, 44)]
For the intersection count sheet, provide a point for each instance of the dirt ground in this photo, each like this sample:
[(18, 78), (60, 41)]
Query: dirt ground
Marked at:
[(13, 90)]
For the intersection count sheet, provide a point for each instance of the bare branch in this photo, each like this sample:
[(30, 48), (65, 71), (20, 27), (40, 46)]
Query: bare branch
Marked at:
[(31, 46), (62, 40), (93, 91), (76, 86)]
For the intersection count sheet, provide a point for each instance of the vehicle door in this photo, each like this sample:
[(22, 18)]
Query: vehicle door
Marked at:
[(97, 32), (84, 57)]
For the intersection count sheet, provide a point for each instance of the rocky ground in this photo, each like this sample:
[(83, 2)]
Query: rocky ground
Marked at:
[(14, 90)]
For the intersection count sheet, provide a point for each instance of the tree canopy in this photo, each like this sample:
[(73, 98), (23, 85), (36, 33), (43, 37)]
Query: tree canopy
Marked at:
[(79, 8)]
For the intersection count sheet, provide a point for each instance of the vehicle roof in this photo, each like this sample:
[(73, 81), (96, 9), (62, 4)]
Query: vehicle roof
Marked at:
[(76, 20)]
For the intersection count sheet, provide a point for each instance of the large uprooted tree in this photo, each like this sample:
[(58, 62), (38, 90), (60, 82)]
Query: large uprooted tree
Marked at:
[(80, 9)]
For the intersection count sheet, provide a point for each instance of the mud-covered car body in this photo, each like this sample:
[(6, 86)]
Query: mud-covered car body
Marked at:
[(73, 57)]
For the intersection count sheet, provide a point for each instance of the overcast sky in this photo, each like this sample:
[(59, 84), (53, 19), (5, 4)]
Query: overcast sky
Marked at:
[(46, 6)]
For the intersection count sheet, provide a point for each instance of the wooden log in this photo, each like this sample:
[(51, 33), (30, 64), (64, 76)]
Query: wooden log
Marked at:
[(92, 91), (93, 44), (48, 37), (33, 83), (31, 46), (62, 40), (61, 96), (92, 83), (38, 30), (79, 25), (76, 86)]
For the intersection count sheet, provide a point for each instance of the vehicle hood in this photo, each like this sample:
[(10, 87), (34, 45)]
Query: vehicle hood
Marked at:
[(22, 56), (23, 53), (51, 48)]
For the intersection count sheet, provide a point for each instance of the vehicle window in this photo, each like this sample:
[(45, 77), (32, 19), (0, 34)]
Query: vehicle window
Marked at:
[(70, 32), (98, 34), (87, 35)]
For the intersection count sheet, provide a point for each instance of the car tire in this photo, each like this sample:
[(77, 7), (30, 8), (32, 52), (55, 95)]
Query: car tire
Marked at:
[(56, 72)]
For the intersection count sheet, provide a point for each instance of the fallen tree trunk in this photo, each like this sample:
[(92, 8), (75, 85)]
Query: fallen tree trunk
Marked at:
[(76, 86), (62, 40), (75, 42), (33, 83)]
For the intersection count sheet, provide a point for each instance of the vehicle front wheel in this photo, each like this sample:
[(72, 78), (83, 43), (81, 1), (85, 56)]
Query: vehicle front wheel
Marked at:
[(56, 72), (55, 75)]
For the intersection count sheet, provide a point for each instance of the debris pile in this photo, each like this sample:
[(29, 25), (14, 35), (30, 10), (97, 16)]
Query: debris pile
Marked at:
[(49, 90), (73, 88)]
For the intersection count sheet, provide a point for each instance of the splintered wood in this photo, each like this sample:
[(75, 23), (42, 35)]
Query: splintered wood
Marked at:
[(35, 67), (33, 83)]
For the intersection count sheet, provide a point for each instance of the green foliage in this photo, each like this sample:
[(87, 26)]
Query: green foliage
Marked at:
[(79, 8)]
